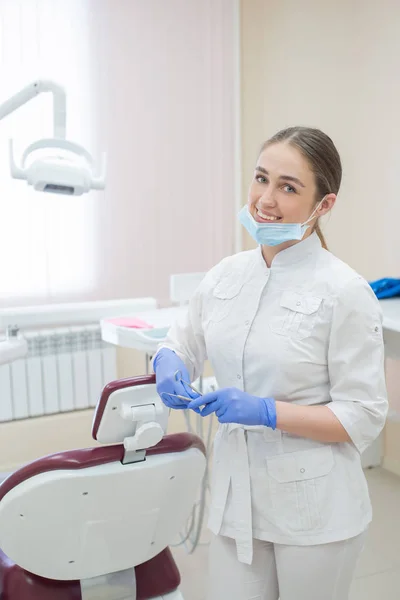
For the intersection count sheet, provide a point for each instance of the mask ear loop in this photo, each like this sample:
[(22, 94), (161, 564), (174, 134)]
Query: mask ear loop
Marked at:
[(312, 217)]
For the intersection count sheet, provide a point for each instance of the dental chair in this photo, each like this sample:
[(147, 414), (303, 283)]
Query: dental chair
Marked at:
[(95, 523)]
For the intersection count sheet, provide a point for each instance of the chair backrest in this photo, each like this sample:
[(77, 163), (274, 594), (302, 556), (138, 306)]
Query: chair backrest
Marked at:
[(86, 513)]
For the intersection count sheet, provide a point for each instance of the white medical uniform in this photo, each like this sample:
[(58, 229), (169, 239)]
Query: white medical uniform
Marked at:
[(308, 330)]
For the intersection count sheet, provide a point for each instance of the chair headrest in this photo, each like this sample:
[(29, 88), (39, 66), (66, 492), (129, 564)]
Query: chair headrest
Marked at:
[(130, 411)]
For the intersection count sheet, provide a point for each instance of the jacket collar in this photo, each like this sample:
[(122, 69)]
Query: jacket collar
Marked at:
[(298, 253)]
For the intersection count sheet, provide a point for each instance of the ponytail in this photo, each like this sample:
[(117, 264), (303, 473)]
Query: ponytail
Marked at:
[(321, 236)]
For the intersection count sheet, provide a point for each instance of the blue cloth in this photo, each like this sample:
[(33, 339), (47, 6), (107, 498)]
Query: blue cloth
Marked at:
[(386, 287), (231, 405), (166, 364)]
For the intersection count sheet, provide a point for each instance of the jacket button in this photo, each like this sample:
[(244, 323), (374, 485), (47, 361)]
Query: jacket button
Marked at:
[(247, 323), (302, 470), (239, 376), (298, 303)]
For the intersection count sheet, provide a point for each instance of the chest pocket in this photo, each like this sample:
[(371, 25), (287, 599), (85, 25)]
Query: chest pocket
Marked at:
[(296, 315), (224, 298)]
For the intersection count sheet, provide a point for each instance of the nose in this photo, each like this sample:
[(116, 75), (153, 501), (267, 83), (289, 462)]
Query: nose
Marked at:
[(267, 200)]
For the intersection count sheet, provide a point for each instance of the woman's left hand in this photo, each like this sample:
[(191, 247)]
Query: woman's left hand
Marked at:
[(231, 405)]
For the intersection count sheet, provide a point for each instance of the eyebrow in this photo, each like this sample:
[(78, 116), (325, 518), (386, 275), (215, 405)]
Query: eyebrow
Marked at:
[(284, 177)]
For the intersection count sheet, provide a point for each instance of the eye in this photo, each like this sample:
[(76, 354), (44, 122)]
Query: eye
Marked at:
[(261, 179), (289, 188)]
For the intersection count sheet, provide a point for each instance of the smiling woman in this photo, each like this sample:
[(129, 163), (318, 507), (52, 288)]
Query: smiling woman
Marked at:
[(294, 337), (290, 190), (313, 167)]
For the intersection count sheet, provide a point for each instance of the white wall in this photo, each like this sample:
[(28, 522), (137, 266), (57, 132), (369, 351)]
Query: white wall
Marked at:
[(334, 65)]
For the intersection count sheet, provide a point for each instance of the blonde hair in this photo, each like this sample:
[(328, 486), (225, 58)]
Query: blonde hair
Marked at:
[(321, 236), (322, 156)]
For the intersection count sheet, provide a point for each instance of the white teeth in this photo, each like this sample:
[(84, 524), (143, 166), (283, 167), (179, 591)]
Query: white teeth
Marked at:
[(266, 217)]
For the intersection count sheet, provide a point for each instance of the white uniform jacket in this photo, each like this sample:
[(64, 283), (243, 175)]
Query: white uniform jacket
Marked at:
[(307, 330)]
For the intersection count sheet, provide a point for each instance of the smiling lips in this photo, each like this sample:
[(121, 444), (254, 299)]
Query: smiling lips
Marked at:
[(264, 217)]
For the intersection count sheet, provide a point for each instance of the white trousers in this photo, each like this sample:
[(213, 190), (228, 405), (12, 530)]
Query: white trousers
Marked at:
[(322, 572)]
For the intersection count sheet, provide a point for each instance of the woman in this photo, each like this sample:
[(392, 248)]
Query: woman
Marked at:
[(294, 336)]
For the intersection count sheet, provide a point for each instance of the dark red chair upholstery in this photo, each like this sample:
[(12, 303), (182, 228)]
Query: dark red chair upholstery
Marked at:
[(154, 578)]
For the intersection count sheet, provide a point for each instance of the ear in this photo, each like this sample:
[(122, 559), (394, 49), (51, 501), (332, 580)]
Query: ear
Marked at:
[(326, 205)]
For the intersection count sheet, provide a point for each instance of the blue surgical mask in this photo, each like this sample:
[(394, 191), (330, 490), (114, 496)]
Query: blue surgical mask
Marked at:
[(273, 234)]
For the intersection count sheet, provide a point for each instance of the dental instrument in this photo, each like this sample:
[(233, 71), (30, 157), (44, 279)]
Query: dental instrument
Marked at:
[(178, 377), (167, 362)]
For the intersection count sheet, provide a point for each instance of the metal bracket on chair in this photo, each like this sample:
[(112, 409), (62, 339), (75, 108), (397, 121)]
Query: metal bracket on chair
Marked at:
[(133, 456), (114, 586)]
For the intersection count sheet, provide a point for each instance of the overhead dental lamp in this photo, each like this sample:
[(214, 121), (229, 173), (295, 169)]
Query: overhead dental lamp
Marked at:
[(55, 164)]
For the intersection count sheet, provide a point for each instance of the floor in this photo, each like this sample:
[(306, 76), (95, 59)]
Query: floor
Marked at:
[(378, 574)]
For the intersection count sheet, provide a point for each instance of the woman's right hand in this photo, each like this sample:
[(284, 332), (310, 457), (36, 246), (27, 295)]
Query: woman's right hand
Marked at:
[(166, 364)]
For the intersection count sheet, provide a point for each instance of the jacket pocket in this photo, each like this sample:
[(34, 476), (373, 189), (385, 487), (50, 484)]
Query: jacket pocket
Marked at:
[(223, 299), (296, 315), (300, 488)]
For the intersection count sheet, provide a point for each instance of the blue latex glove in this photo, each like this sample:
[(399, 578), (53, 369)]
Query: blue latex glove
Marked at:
[(231, 405), (166, 364)]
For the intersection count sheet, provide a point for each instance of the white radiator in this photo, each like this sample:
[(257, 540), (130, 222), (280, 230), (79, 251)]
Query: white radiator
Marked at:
[(65, 370)]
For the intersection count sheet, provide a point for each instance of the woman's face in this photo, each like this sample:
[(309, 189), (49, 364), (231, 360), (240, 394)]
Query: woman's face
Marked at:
[(283, 189)]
